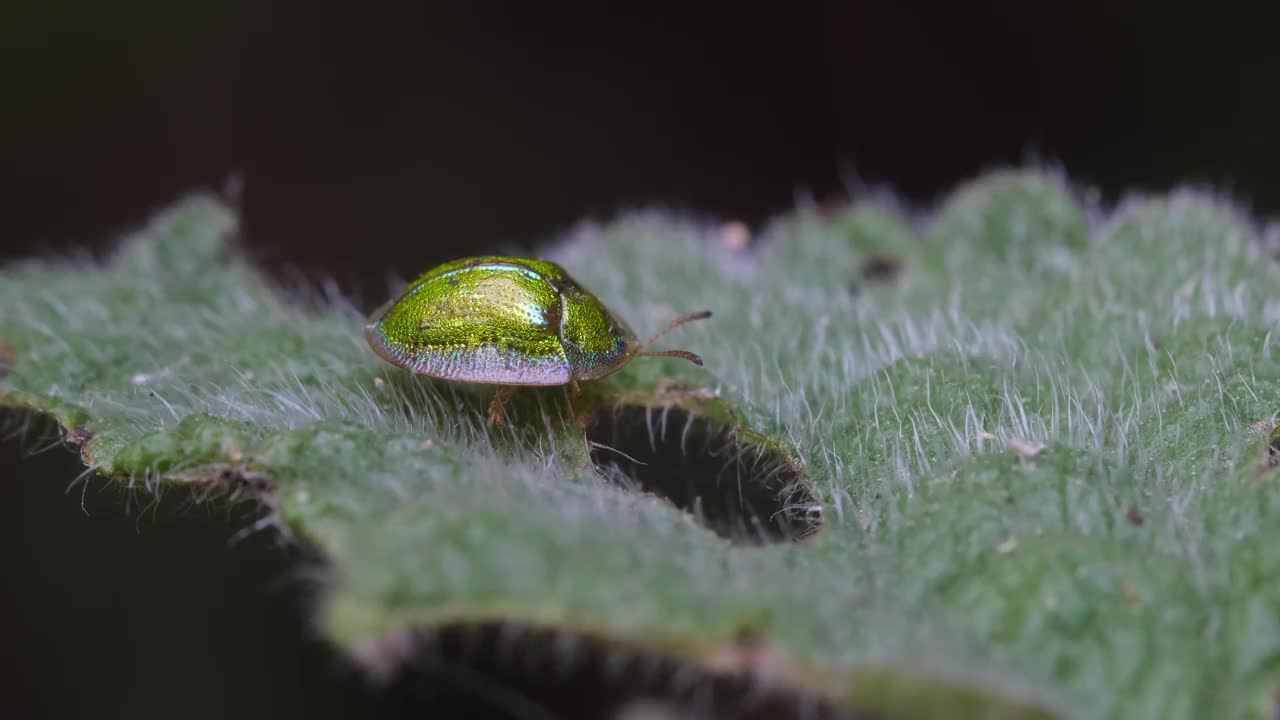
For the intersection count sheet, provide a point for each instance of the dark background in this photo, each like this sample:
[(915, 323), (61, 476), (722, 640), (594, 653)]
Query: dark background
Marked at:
[(390, 137)]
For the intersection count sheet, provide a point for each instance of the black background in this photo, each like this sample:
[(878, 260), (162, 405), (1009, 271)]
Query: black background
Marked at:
[(386, 137)]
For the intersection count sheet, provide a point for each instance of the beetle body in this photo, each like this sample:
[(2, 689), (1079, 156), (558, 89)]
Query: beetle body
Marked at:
[(504, 321)]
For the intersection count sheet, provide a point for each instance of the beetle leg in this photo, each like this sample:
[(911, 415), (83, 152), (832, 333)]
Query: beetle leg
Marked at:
[(580, 416), (499, 402)]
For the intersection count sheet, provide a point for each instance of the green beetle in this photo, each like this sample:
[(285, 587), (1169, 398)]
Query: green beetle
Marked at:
[(509, 322)]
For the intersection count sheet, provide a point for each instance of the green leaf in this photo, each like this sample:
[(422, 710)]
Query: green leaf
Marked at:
[(1009, 462)]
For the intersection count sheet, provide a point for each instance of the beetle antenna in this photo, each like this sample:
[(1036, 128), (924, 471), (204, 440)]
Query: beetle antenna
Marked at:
[(691, 357), (686, 318)]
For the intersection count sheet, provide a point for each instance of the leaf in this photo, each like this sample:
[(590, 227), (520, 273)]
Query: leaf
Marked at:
[(839, 512)]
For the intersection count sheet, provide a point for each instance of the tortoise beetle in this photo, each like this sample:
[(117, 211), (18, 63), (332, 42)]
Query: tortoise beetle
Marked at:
[(509, 322)]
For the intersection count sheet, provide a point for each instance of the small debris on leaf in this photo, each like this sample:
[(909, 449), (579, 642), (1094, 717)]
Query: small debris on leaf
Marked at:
[(1130, 593), (79, 436), (879, 269), (735, 235), (1025, 449), (1134, 515)]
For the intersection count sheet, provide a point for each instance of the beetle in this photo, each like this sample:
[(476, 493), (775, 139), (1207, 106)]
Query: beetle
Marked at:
[(510, 322)]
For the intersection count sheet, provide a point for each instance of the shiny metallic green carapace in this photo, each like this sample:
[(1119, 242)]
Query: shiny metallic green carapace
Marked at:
[(501, 321)]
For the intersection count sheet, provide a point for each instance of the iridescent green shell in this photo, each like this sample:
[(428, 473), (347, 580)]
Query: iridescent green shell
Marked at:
[(501, 321)]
